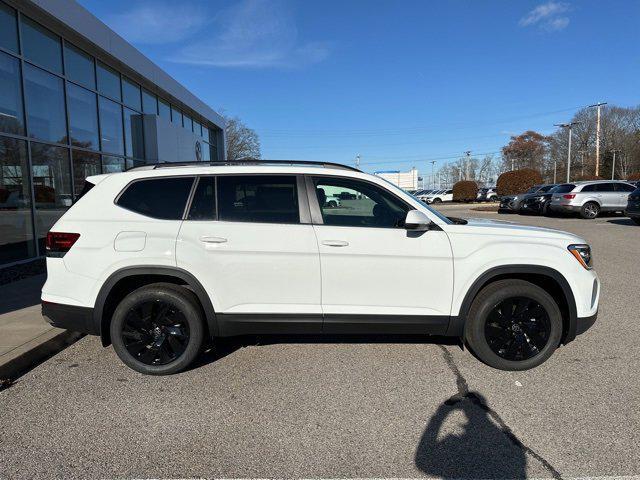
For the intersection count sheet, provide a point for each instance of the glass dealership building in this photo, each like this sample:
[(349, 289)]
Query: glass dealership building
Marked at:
[(77, 100)]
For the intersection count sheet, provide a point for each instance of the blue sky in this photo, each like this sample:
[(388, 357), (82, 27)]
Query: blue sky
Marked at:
[(398, 82)]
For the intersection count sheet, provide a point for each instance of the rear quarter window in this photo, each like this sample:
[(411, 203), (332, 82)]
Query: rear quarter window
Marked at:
[(162, 198), (565, 188)]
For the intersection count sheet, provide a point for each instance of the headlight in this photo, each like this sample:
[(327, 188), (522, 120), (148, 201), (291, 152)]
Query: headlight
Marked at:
[(582, 254)]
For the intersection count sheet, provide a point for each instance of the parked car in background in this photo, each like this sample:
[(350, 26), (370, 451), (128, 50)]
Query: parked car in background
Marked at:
[(538, 203), (633, 206), (487, 194), (513, 203), (438, 196), (589, 198), (417, 193)]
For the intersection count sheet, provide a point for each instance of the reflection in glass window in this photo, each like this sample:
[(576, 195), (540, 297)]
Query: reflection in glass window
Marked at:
[(41, 46), (51, 186), (206, 152), (188, 123), (11, 116), (205, 133), (8, 28), (258, 198), (16, 232), (83, 117), (111, 126), (133, 162), (354, 203), (85, 164), (112, 164), (79, 66), (108, 81), (197, 128), (149, 102), (45, 105), (164, 110), (134, 140), (176, 116), (131, 94)]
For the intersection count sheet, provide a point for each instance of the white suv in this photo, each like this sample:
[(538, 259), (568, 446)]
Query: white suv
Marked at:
[(158, 259)]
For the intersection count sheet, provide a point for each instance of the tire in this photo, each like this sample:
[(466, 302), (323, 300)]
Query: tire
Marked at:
[(332, 204), (436, 200), (636, 220), (590, 210), (497, 341), (545, 210), (158, 329)]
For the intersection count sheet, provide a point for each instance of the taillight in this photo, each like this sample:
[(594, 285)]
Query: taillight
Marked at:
[(59, 243), (569, 196)]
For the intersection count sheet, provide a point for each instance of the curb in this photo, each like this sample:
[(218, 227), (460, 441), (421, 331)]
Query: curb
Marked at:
[(36, 351)]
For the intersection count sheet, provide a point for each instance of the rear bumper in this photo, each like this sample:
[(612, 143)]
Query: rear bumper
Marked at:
[(69, 317), (564, 208)]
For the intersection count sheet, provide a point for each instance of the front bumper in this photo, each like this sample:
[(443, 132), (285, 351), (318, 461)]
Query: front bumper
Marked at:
[(69, 317), (585, 323)]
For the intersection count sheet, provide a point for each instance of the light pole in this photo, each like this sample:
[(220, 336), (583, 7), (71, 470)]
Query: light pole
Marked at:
[(569, 126), (581, 152), (597, 105), (555, 169), (433, 176), (466, 166), (613, 168)]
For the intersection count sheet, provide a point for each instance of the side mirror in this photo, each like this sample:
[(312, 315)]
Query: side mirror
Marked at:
[(417, 221)]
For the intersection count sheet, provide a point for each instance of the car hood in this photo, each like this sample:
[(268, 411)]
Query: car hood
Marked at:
[(501, 227)]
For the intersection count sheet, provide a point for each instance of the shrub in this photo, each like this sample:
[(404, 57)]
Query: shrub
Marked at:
[(517, 181), (465, 191), (634, 177)]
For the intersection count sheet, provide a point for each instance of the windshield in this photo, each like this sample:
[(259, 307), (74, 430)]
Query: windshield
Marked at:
[(402, 193)]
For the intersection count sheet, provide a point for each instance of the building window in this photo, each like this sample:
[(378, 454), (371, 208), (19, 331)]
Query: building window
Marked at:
[(85, 164), (41, 46), (205, 133), (108, 81), (16, 230), (51, 186), (8, 28), (197, 128), (45, 105), (134, 162), (176, 116), (83, 117), (134, 140), (149, 103), (164, 110), (11, 116), (206, 152), (79, 66), (111, 126), (112, 164), (188, 123), (131, 94)]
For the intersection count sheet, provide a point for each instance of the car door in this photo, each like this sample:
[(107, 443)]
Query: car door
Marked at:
[(249, 240), (377, 276), (623, 190), (609, 197)]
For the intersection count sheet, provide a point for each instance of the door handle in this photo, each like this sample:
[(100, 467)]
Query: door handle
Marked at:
[(335, 243), (208, 239)]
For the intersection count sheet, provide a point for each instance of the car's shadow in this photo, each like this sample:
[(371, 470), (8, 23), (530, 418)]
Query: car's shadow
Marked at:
[(222, 347), (623, 221)]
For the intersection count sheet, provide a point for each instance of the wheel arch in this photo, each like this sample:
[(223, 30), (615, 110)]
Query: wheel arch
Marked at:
[(127, 279), (547, 278)]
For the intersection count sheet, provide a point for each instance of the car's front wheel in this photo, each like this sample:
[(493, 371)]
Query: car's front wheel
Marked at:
[(436, 200), (158, 329), (513, 325)]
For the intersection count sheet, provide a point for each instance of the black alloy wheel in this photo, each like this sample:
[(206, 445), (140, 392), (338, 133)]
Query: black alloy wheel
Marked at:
[(155, 332), (517, 328)]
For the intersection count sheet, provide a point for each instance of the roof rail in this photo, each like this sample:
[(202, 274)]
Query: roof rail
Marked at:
[(255, 162)]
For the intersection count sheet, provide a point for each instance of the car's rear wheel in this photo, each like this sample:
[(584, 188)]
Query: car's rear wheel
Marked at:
[(590, 210), (437, 200), (513, 325), (158, 329)]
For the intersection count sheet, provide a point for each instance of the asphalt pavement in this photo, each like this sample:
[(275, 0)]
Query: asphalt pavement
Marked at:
[(347, 407)]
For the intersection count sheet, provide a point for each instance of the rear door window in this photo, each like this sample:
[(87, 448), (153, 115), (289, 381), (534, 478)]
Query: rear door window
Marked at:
[(258, 198), (163, 198)]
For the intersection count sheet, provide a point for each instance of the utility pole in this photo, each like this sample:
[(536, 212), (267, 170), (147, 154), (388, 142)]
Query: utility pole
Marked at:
[(569, 126), (555, 169), (613, 168), (466, 169), (358, 161), (598, 105), (581, 152), (433, 177)]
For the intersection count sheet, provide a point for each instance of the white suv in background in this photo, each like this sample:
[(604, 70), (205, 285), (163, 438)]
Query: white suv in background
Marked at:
[(438, 196), (158, 259), (589, 198)]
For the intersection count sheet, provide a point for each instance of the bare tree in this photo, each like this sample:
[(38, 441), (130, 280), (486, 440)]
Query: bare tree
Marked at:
[(241, 141)]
